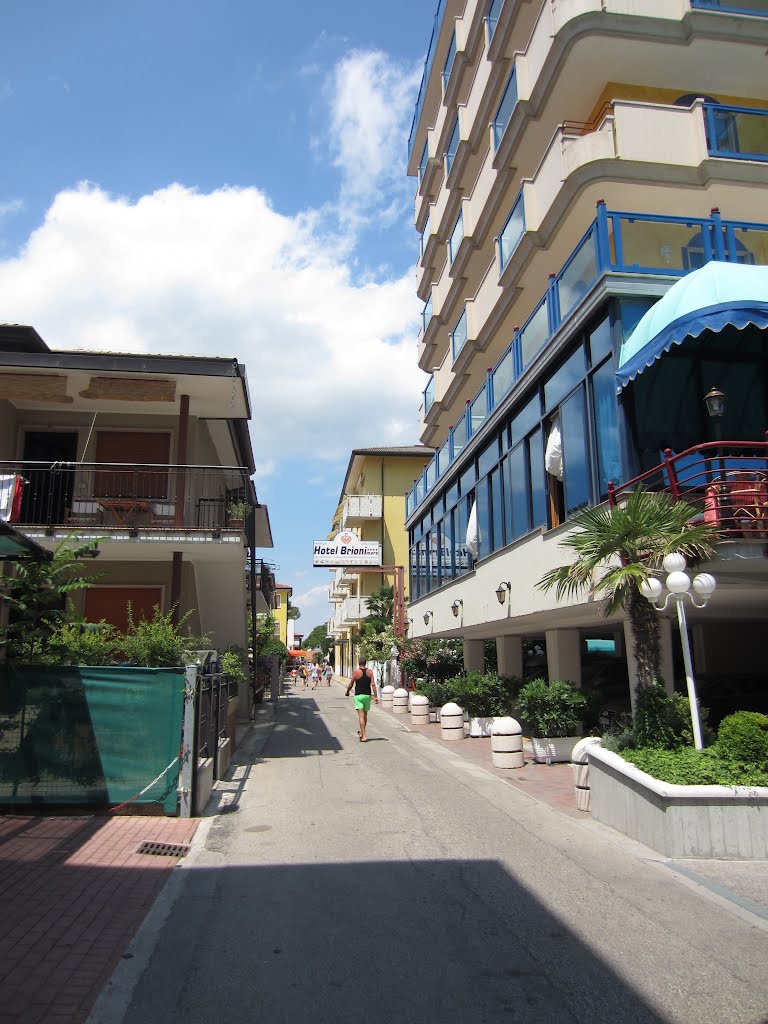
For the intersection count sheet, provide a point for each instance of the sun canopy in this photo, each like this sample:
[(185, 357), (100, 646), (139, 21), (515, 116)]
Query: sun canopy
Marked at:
[(712, 298), (14, 546)]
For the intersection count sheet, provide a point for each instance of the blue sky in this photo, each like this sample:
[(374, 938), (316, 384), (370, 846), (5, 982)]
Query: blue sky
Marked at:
[(229, 178)]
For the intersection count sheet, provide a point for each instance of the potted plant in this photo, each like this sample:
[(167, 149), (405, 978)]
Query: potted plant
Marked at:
[(553, 712), (484, 697), (237, 512)]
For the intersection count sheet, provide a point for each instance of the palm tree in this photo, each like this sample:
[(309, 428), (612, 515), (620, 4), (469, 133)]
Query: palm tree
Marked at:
[(626, 545)]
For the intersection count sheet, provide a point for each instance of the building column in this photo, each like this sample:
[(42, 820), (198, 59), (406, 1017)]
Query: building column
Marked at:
[(564, 655), (509, 653), (474, 655)]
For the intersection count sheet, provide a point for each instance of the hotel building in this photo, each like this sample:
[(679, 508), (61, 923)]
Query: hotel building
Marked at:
[(575, 161)]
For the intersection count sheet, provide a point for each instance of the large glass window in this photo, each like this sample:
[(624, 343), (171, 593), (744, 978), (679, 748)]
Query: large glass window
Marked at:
[(493, 16), (497, 509), (537, 484), (564, 380), (483, 518), (525, 420), (576, 479), (488, 457), (606, 427), (518, 490), (467, 480), (434, 558), (448, 544), (462, 559)]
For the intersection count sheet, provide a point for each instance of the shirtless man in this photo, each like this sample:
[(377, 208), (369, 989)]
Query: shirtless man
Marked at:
[(365, 688)]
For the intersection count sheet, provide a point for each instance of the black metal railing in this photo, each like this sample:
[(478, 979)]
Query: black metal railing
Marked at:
[(214, 693), (119, 496)]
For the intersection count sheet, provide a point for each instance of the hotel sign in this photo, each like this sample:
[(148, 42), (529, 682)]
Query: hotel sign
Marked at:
[(346, 549)]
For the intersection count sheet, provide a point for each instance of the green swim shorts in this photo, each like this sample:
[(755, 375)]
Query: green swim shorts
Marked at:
[(363, 701)]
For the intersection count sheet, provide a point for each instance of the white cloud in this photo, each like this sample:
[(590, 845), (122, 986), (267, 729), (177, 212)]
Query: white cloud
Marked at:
[(11, 206), (331, 362), (372, 99)]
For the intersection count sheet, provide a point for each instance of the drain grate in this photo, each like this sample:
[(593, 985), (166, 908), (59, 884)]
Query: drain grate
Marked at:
[(155, 849)]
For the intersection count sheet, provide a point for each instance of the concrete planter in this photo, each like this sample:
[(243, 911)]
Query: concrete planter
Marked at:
[(678, 821), (481, 726), (554, 749)]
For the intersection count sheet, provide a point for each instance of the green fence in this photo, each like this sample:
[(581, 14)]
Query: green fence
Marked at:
[(90, 736)]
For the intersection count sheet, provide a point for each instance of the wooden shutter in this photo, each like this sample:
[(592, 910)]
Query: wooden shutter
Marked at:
[(111, 603), (137, 448)]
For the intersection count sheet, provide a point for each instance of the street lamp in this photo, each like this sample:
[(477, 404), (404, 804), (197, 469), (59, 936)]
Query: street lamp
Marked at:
[(456, 607), (714, 400), (427, 617), (501, 592), (678, 585)]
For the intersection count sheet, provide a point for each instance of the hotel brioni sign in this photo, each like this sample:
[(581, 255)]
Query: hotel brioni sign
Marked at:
[(346, 549)]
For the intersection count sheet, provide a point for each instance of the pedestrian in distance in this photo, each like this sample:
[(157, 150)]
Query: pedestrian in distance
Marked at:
[(315, 677), (303, 674), (328, 674), (365, 689)]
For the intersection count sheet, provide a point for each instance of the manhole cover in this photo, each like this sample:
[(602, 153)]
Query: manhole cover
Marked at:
[(163, 849)]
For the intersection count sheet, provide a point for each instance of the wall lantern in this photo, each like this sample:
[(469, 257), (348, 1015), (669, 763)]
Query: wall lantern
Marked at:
[(427, 617), (501, 592), (456, 607)]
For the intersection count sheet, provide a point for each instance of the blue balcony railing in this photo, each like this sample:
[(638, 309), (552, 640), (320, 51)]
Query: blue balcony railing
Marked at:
[(758, 8), (629, 243), (436, 25), (736, 133)]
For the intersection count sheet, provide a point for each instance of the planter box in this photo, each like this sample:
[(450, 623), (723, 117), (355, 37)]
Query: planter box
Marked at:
[(554, 750), (678, 821), (481, 726)]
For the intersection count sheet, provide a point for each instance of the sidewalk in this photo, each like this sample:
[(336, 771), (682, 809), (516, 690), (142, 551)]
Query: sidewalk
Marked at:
[(73, 891)]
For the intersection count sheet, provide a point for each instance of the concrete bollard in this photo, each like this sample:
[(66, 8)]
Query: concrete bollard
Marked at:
[(419, 709), (400, 701), (507, 744), (387, 693), (451, 722), (580, 765)]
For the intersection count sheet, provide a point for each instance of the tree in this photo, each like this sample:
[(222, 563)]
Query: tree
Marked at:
[(619, 548), (316, 638), (293, 611), (38, 597), (381, 603)]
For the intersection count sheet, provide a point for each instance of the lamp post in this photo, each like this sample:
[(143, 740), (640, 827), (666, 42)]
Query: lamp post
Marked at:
[(678, 585), (714, 400)]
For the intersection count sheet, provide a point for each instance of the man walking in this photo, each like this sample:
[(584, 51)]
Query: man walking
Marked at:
[(365, 688)]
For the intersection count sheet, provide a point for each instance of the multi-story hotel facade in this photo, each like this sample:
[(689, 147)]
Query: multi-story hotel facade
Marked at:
[(576, 160)]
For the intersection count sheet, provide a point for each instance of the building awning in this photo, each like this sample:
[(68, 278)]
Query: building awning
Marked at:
[(717, 296), (15, 545)]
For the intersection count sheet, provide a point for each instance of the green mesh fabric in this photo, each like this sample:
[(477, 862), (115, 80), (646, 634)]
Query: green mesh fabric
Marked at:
[(93, 736)]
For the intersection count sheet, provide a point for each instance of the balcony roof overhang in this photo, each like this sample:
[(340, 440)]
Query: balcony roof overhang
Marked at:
[(712, 298), (15, 546)]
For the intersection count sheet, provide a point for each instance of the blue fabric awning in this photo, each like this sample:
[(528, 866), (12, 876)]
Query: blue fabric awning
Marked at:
[(712, 298)]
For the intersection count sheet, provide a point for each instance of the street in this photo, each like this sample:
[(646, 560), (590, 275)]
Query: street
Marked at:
[(396, 881)]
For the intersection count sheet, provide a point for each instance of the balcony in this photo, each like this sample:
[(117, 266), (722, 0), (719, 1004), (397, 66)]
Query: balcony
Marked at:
[(615, 242), (736, 133), (361, 508), (757, 8), (352, 611), (119, 498), (265, 586)]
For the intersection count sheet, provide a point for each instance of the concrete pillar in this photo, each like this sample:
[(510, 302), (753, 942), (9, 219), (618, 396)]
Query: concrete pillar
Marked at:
[(666, 661), (564, 655), (509, 651), (474, 655)]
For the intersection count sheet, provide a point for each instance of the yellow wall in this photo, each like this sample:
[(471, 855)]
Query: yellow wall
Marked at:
[(281, 613), (650, 94)]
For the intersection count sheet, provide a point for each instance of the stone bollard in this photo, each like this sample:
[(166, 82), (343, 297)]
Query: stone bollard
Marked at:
[(387, 693), (580, 759), (400, 701), (451, 722), (507, 744), (419, 710)]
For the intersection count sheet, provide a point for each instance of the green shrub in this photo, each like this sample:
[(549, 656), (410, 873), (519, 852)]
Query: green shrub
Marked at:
[(85, 643), (743, 736), (233, 664), (654, 713), (159, 643), (551, 709), (689, 767), (434, 692), (624, 738), (483, 696)]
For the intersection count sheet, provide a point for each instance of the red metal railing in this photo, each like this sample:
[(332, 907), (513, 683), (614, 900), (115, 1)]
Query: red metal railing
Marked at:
[(726, 481)]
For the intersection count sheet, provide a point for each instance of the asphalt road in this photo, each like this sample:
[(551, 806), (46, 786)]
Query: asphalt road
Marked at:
[(396, 882)]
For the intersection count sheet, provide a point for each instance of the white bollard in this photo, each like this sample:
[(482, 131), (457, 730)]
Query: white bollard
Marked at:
[(580, 765), (387, 693), (451, 722), (507, 744), (400, 701), (419, 709)]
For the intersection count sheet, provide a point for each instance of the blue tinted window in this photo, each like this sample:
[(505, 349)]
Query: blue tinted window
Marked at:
[(497, 509), (457, 237), (488, 458), (606, 427), (564, 380), (452, 495), (538, 484), (461, 557), (447, 552), (467, 480), (575, 456), (600, 342), (518, 491), (526, 419), (483, 518)]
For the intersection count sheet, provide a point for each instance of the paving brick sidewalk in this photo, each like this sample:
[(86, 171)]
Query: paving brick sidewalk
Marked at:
[(73, 892)]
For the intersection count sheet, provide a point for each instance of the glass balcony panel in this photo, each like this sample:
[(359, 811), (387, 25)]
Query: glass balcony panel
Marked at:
[(419, 489), (479, 410), (457, 237), (429, 395), (493, 17), (577, 278), (426, 314), (449, 60), (664, 246), (423, 162), (442, 459), (512, 231), (409, 503), (503, 377), (431, 475), (506, 109), (751, 246), (534, 333), (736, 134), (453, 145), (439, 14), (459, 335), (758, 8), (460, 436)]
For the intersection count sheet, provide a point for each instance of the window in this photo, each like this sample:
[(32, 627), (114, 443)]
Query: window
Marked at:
[(512, 231), (449, 62), (459, 335), (429, 395), (277, 630), (506, 108), (423, 162), (278, 600), (493, 17), (453, 145)]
